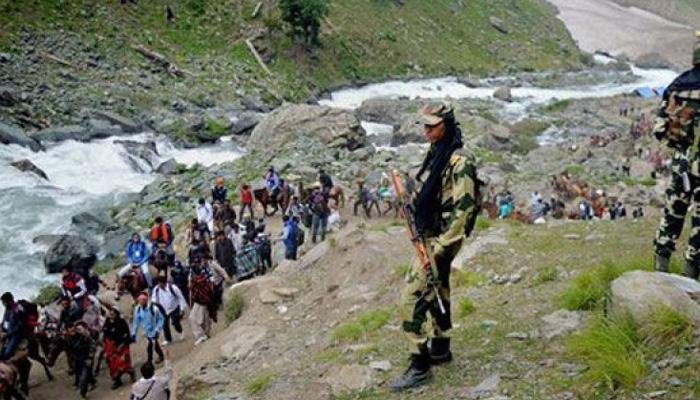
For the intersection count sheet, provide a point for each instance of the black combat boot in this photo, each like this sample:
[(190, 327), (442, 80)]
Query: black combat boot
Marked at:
[(417, 374), (692, 270), (661, 263), (440, 351)]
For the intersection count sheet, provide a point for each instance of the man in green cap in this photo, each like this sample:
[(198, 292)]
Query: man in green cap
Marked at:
[(677, 125), (444, 209)]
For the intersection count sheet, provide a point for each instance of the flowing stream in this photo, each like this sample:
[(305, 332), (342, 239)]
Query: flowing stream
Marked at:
[(82, 177)]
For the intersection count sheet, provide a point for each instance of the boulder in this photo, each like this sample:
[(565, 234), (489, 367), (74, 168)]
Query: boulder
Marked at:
[(333, 127), (494, 137), (139, 153), (652, 61), (91, 224), (503, 93), (7, 99), (61, 133), (12, 135), (27, 166), (100, 128), (127, 124), (244, 123), (410, 131), (384, 110), (168, 167), (639, 293), (71, 250)]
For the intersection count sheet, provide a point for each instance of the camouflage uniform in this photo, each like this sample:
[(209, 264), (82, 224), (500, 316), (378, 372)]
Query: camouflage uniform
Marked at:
[(677, 123), (458, 213)]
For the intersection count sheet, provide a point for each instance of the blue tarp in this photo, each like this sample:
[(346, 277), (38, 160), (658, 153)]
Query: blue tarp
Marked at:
[(645, 92)]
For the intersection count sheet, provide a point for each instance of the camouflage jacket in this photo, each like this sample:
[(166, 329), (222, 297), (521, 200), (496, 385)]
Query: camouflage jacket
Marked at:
[(677, 117), (460, 201)]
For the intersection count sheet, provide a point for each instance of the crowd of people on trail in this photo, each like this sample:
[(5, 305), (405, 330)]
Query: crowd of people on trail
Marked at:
[(220, 246), (591, 205)]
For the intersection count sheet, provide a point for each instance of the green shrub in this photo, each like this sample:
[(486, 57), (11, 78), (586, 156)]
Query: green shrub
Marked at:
[(482, 223), (466, 307), (557, 106), (304, 17), (234, 308), (545, 274), (666, 327), (362, 326), (461, 278), (259, 384), (611, 350), (590, 289), (47, 295)]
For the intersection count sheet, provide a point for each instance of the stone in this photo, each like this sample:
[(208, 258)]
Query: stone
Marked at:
[(483, 389), (410, 131), (561, 322), (167, 167), (92, 224), (503, 93), (127, 124), (100, 128), (333, 127), (27, 166), (70, 250), (384, 365), (13, 135), (272, 295), (352, 377), (640, 292), (240, 340), (384, 110), (655, 395), (61, 133), (7, 98), (244, 123), (140, 152), (498, 24), (653, 61), (518, 335)]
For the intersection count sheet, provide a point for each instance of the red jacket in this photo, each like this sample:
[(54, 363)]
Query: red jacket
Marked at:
[(246, 196)]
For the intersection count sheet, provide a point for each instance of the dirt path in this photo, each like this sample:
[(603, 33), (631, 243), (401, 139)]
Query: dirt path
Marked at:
[(604, 25)]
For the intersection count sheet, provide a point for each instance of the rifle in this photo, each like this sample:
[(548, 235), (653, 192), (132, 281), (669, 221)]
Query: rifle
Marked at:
[(422, 248)]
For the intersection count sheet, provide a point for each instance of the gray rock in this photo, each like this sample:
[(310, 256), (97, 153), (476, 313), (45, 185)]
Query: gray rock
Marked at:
[(4, 57), (244, 123), (91, 224), (27, 166), (640, 292), (333, 127), (127, 124), (61, 133), (138, 152), (7, 98), (384, 110), (384, 365), (498, 24), (653, 61), (70, 250), (410, 131), (253, 103), (561, 322), (503, 93), (350, 378), (100, 128), (12, 135), (46, 240), (168, 167), (484, 389)]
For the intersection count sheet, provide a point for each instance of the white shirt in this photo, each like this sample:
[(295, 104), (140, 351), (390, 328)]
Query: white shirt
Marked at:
[(205, 213), (170, 298), (236, 239)]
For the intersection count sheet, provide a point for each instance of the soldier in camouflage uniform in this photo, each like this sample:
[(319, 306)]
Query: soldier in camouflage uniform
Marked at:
[(445, 211), (677, 124)]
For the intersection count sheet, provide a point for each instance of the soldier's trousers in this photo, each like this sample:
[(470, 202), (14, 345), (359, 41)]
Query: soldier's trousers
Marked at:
[(420, 311), (678, 201)]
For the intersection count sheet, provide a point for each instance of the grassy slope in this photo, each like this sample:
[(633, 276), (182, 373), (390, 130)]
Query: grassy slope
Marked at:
[(363, 39), (532, 368)]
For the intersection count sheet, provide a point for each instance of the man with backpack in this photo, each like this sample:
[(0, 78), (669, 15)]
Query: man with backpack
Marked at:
[(180, 275), (152, 386), (326, 182), (445, 210), (161, 233), (361, 198), (320, 212), (172, 304), (14, 327), (289, 238), (225, 253), (148, 316), (201, 302)]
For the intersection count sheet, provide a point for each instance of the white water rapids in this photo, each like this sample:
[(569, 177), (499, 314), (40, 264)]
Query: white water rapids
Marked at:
[(82, 176)]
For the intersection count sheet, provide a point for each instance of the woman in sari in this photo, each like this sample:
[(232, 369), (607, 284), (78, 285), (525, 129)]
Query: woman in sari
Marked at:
[(117, 338)]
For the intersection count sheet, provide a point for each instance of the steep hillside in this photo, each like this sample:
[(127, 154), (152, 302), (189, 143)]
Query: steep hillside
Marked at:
[(62, 56)]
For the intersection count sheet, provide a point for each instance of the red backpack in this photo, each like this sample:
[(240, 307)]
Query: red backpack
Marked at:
[(201, 291)]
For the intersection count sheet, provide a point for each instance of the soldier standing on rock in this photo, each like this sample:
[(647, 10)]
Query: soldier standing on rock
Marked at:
[(445, 207), (677, 124)]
